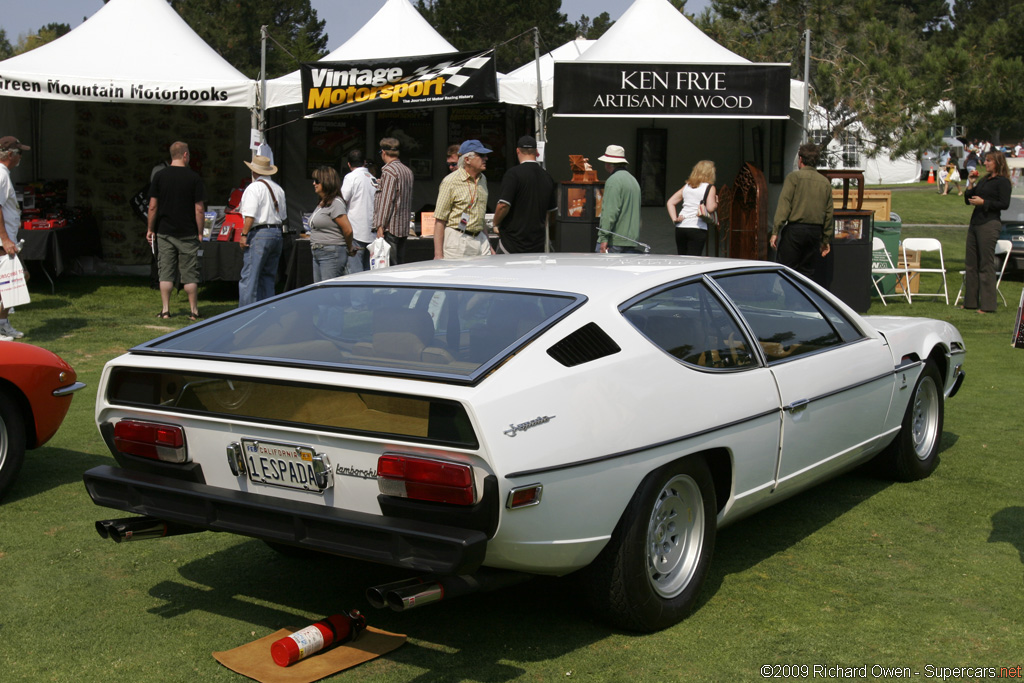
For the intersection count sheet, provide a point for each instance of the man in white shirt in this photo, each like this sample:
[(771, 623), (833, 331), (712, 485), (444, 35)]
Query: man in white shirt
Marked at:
[(11, 151), (263, 212), (357, 190)]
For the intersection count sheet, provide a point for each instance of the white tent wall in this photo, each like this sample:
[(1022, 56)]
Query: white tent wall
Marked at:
[(883, 169)]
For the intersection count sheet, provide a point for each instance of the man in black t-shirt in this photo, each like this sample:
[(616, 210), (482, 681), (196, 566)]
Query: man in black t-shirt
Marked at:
[(176, 198), (528, 201)]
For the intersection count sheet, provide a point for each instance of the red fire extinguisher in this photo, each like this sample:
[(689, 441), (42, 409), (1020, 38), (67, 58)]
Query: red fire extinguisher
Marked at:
[(334, 630)]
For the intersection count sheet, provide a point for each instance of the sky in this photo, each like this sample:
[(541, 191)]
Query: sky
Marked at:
[(343, 17)]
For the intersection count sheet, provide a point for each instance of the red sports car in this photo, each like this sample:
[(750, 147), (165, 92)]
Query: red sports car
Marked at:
[(35, 394)]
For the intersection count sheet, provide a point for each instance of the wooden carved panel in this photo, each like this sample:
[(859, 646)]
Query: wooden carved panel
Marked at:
[(747, 236)]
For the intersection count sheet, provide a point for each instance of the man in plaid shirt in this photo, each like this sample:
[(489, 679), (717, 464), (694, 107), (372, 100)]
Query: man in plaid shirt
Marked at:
[(393, 203), (460, 229)]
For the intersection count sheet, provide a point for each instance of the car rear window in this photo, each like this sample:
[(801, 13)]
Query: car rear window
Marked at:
[(437, 332)]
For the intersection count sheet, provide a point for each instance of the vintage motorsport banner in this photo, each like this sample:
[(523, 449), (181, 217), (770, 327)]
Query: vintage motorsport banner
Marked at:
[(735, 91), (400, 82)]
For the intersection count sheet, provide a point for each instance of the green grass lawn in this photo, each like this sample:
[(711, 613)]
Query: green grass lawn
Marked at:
[(857, 572), (922, 204)]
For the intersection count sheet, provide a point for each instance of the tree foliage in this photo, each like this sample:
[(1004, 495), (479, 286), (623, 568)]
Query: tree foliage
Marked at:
[(868, 61), (981, 65), (504, 24), (592, 29), (232, 28), (6, 49), (46, 34)]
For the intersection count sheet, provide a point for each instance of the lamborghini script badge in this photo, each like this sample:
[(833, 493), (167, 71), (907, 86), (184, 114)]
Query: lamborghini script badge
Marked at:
[(523, 426)]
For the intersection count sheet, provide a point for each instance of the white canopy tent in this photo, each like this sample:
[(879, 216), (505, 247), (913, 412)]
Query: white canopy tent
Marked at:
[(137, 51), (649, 31), (396, 30), (883, 169), (74, 101), (520, 85), (654, 32)]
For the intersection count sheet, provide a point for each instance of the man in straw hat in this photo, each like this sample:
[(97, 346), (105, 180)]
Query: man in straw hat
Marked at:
[(620, 213), (263, 212)]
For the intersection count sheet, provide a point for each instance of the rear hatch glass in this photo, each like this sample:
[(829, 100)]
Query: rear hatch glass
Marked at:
[(446, 334)]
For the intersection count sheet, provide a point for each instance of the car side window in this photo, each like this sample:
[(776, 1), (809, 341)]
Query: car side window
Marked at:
[(785, 321), (691, 324)]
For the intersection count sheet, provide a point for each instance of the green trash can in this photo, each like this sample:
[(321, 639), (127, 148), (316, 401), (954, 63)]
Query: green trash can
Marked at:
[(889, 232)]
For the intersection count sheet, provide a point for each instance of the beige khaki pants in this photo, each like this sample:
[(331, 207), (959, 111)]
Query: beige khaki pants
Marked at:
[(458, 244)]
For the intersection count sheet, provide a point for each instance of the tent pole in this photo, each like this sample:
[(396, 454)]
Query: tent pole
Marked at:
[(539, 126), (539, 111), (263, 82), (807, 78)]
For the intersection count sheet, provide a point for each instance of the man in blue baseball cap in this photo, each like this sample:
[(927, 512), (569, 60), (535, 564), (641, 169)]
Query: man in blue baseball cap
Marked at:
[(460, 230)]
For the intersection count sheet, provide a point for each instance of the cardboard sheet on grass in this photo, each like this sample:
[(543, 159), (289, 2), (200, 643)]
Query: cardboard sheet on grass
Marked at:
[(253, 659)]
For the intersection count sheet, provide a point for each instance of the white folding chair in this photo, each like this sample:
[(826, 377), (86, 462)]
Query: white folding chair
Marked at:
[(920, 245), (879, 272), (1003, 248)]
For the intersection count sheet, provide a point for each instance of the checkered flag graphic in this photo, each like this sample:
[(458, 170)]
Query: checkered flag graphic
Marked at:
[(456, 73)]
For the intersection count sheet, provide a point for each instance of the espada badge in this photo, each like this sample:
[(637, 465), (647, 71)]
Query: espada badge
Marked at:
[(523, 426)]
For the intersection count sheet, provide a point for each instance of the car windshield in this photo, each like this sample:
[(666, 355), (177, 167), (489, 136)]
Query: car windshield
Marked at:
[(441, 332)]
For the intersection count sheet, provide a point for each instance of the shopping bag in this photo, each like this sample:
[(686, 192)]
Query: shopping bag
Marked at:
[(1018, 325), (13, 288), (380, 253)]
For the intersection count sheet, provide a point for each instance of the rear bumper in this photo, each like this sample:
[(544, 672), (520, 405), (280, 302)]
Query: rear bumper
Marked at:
[(418, 546)]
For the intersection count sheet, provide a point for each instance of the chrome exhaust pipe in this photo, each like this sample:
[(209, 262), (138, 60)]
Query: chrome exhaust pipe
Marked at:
[(401, 599), (140, 528), (377, 595), (404, 595)]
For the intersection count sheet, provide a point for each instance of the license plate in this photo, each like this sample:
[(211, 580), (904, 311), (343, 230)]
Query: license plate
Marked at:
[(280, 464)]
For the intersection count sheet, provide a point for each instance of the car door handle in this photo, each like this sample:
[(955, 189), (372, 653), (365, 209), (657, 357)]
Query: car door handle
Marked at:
[(797, 405)]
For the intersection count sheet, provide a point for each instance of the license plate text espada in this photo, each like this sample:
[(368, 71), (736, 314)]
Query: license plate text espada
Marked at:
[(280, 464)]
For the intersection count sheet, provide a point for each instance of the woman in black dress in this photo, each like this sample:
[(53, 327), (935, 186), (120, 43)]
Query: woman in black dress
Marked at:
[(989, 197)]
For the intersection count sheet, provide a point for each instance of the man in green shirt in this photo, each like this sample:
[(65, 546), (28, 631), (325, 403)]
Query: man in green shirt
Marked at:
[(805, 209), (620, 208)]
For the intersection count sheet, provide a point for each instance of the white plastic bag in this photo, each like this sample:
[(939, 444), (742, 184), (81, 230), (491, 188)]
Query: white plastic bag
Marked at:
[(380, 253), (13, 287)]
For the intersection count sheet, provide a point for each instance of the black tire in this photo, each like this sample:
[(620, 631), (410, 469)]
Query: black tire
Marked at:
[(914, 453), (12, 441), (649, 575)]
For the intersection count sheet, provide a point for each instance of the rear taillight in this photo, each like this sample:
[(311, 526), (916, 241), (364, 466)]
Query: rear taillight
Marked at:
[(439, 481), (150, 440)]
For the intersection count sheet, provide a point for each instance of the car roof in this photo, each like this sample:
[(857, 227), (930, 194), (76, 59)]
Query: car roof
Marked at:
[(592, 275)]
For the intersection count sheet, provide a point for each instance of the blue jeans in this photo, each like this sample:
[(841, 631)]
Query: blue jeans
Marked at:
[(361, 261), (328, 261), (259, 265)]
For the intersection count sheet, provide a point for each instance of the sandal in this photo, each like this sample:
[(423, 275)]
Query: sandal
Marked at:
[(194, 316), (164, 315)]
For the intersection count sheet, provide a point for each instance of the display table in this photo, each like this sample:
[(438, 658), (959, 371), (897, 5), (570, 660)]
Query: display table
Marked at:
[(299, 270), (220, 261), (55, 249), (422, 248)]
